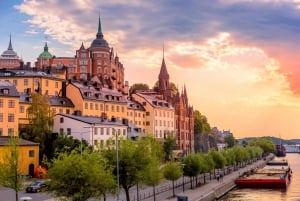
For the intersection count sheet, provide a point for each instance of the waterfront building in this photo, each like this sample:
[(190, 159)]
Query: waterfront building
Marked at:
[(163, 98), (9, 105), (159, 117), (94, 130), (136, 114), (28, 154), (9, 58)]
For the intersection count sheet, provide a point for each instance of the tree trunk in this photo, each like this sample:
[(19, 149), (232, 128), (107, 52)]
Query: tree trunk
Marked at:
[(127, 194), (191, 181), (173, 188), (137, 192), (154, 195), (17, 197)]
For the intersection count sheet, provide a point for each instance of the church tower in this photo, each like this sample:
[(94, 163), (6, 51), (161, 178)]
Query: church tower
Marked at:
[(163, 81)]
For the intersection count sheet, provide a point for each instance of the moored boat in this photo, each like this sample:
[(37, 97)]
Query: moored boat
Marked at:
[(276, 174)]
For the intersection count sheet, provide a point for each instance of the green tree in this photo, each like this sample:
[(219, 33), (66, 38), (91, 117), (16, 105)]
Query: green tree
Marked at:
[(168, 147), (79, 177), (172, 86), (172, 171), (191, 167), (201, 126), (266, 144), (152, 175), (230, 141), (41, 121), (9, 166), (138, 86), (133, 159)]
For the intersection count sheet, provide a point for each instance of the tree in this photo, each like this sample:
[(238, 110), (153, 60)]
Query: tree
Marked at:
[(172, 171), (230, 140), (152, 175), (134, 158), (40, 121), (79, 177), (138, 86), (9, 166), (201, 126), (172, 86), (266, 144), (191, 166), (168, 147)]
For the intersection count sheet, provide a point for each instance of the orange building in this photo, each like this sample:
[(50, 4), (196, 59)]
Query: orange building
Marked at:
[(28, 154)]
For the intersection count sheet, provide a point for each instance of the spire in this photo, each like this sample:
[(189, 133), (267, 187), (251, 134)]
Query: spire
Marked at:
[(163, 69), (82, 47), (99, 33), (9, 46)]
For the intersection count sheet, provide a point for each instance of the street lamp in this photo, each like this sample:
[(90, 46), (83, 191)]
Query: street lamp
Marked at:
[(183, 176), (117, 157)]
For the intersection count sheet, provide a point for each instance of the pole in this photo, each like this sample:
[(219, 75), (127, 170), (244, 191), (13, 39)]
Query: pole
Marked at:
[(117, 155), (183, 177)]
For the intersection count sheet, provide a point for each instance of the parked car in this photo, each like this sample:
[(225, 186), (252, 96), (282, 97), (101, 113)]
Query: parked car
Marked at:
[(37, 186)]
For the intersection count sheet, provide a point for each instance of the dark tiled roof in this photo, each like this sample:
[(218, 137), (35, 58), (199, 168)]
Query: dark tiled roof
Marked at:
[(92, 120), (12, 91), (25, 73), (135, 105), (4, 140), (54, 100)]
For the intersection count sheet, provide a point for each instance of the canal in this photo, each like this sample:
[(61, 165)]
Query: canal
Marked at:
[(292, 193)]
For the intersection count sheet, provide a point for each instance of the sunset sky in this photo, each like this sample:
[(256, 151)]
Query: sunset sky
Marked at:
[(239, 59)]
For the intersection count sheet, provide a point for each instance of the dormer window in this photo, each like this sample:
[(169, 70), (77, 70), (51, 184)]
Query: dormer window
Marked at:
[(5, 91)]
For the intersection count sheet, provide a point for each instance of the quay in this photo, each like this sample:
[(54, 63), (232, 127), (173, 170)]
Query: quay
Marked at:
[(214, 190)]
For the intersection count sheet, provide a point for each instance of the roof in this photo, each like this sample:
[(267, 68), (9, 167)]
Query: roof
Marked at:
[(54, 100), (93, 120), (9, 53), (11, 89), (4, 141), (45, 54), (93, 92), (25, 73), (155, 102), (99, 41)]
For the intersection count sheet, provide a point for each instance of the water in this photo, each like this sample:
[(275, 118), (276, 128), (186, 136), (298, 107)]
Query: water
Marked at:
[(292, 193)]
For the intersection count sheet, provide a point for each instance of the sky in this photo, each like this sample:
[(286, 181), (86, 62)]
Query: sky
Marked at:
[(238, 59)]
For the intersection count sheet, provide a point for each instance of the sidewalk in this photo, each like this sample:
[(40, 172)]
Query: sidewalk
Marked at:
[(211, 189)]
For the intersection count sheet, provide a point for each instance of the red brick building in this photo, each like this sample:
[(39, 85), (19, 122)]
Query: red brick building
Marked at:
[(97, 62)]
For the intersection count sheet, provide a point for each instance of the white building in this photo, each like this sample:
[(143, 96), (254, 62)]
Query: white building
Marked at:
[(94, 130)]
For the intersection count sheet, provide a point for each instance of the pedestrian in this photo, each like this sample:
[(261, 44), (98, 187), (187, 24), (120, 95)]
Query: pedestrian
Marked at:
[(221, 176), (218, 177)]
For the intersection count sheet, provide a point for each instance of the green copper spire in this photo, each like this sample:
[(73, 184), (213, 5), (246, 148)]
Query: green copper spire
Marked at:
[(99, 34), (45, 54)]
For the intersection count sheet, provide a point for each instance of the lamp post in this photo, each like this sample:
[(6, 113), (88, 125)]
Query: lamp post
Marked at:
[(183, 176), (117, 157)]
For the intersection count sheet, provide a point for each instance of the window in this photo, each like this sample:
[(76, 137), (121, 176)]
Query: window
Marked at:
[(61, 110), (11, 117), (31, 153), (15, 82), (1, 102), (95, 142), (56, 84), (22, 110), (61, 130), (11, 103), (112, 108), (96, 106), (95, 131), (91, 106), (10, 131), (86, 105), (1, 132), (25, 82), (83, 69), (124, 132), (118, 109), (1, 117), (61, 120), (122, 109), (102, 131), (107, 131), (106, 107), (68, 131)]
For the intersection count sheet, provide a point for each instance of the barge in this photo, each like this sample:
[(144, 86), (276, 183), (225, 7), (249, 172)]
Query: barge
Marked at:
[(276, 174)]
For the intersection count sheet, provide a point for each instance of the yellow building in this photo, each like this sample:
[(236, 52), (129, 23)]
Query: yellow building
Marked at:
[(9, 106), (28, 154), (159, 115), (28, 80), (136, 114), (90, 99)]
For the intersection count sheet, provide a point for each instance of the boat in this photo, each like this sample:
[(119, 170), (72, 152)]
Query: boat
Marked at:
[(280, 150), (275, 174)]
